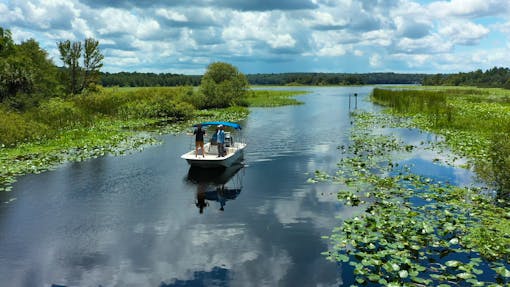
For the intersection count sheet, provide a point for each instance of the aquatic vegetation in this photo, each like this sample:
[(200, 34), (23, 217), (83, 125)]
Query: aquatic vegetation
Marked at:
[(413, 230), (105, 137), (474, 122), (70, 145), (273, 98), (112, 121)]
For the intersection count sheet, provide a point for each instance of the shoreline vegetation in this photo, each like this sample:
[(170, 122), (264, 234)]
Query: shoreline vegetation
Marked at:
[(414, 230), (107, 121), (50, 115), (136, 79), (475, 123), (496, 77)]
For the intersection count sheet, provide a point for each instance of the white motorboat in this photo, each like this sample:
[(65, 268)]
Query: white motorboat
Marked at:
[(234, 148)]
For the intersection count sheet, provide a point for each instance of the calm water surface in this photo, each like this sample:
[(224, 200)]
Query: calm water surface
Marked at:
[(147, 219)]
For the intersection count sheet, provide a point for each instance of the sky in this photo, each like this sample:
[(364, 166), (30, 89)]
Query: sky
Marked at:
[(273, 36)]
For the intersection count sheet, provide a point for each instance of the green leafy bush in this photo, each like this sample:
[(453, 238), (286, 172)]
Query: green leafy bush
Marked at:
[(105, 102), (138, 103), (60, 113), (198, 100), (223, 86), (154, 108), (15, 128)]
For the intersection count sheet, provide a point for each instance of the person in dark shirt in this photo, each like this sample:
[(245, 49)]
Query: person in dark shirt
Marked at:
[(199, 140), (221, 141)]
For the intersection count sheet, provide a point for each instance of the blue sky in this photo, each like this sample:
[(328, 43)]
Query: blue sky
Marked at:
[(274, 36)]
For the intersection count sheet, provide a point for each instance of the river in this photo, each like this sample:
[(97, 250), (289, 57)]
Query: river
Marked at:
[(133, 220)]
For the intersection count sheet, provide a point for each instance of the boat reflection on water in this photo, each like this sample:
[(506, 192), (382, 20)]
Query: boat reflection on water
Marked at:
[(220, 185)]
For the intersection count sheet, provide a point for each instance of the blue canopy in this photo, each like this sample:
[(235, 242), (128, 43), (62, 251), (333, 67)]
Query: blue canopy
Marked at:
[(227, 124)]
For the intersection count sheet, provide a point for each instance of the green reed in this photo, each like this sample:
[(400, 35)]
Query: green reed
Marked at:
[(475, 123), (273, 98)]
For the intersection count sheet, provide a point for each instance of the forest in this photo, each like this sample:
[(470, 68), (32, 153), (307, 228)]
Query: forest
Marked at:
[(497, 77), (136, 79), (491, 78)]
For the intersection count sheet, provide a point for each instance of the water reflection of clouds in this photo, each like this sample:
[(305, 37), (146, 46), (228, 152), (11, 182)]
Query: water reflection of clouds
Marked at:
[(201, 248), (174, 248), (289, 212), (321, 148), (246, 252), (131, 221), (427, 160)]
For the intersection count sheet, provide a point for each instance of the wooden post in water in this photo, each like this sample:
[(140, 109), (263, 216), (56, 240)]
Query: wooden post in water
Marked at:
[(355, 101), (349, 102)]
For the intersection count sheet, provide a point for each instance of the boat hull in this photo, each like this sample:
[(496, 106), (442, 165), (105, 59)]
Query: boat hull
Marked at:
[(211, 160), (213, 176)]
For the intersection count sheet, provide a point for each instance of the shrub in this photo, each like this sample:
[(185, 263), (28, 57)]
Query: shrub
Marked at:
[(59, 113), (223, 86), (198, 100), (179, 110), (105, 102), (16, 129), (156, 108), (133, 103)]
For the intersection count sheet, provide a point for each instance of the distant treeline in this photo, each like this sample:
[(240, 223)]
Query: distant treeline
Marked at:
[(135, 79), (491, 78), (320, 79), (495, 77)]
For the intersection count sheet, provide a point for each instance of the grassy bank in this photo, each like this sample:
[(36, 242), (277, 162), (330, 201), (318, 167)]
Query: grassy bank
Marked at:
[(110, 121)]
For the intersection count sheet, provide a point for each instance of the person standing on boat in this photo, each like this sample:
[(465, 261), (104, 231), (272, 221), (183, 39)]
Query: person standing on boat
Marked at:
[(221, 141), (199, 139)]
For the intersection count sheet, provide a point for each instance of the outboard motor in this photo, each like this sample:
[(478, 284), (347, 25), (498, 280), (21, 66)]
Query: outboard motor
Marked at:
[(229, 141)]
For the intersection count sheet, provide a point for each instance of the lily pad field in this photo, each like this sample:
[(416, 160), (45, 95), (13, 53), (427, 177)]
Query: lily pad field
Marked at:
[(417, 230)]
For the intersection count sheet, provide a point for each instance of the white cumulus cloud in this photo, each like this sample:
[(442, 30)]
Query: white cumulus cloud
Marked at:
[(182, 36), (470, 8), (463, 32), (375, 60)]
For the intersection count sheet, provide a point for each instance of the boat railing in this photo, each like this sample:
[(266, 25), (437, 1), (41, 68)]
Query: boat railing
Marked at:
[(231, 138)]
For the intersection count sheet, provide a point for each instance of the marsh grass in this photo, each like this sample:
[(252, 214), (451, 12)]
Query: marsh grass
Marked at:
[(273, 98), (475, 123)]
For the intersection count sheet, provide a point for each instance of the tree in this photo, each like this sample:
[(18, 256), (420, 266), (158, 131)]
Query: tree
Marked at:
[(80, 78), (495, 77), (70, 54), (42, 68), (6, 43), (223, 86), (14, 78), (8, 82), (27, 75), (92, 62)]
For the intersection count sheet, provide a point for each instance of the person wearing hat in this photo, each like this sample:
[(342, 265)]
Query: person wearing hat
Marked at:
[(221, 141)]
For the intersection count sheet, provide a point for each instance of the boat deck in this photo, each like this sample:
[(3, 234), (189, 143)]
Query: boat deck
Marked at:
[(211, 152), (211, 158)]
